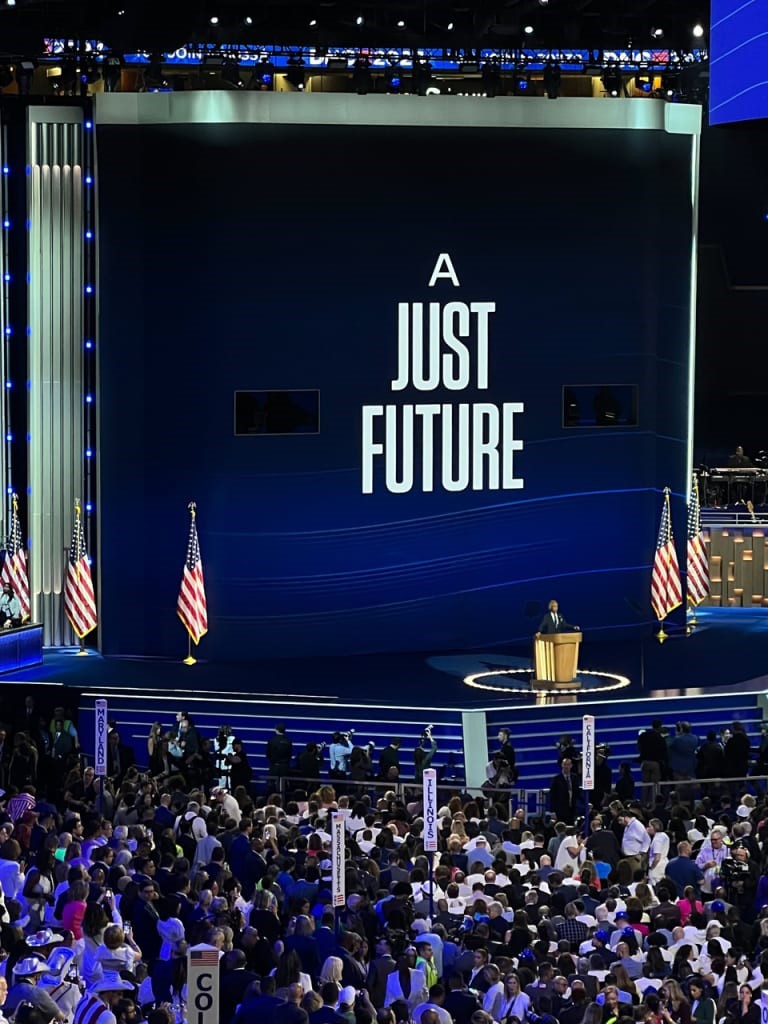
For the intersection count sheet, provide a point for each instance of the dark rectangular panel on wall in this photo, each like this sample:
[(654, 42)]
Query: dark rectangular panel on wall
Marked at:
[(443, 502)]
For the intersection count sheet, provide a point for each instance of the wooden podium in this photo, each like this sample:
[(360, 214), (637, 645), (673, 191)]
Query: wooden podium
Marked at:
[(556, 660)]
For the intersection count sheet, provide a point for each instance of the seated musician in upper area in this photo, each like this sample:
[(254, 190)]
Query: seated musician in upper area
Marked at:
[(10, 609), (553, 622), (739, 459)]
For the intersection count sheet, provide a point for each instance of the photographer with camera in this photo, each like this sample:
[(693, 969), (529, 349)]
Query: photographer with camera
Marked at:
[(423, 754), (339, 752), (740, 877)]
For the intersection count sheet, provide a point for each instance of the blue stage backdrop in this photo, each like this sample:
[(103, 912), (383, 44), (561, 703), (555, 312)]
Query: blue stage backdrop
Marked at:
[(431, 322)]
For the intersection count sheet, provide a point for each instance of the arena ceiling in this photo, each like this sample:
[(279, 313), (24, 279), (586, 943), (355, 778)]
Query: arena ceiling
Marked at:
[(155, 25)]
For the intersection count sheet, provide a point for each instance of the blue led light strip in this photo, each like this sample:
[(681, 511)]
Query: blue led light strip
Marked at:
[(7, 330), (90, 317)]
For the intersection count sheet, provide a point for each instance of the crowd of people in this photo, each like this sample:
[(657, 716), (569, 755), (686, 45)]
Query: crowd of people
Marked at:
[(653, 910)]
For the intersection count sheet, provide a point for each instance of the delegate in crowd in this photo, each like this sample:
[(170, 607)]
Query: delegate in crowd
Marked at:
[(655, 909)]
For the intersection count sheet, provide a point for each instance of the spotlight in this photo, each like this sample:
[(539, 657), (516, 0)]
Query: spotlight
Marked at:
[(296, 73), (359, 20), (394, 79), (263, 76), (401, 24), (522, 84), (613, 81), (657, 33), (248, 19), (697, 31), (313, 23), (230, 75), (528, 29), (449, 26), (214, 20), (552, 80), (543, 3), (361, 76)]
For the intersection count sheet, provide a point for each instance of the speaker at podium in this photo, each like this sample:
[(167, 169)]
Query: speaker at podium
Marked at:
[(556, 660)]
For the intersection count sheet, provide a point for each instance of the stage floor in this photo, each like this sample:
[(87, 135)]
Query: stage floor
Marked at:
[(728, 650)]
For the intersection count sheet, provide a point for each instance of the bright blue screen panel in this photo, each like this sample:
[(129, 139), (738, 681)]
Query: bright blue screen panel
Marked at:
[(739, 61)]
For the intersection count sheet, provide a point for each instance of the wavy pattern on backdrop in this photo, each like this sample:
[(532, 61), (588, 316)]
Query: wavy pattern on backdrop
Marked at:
[(293, 248)]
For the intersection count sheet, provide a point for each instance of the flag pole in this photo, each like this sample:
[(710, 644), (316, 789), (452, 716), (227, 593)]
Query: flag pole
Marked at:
[(191, 605)]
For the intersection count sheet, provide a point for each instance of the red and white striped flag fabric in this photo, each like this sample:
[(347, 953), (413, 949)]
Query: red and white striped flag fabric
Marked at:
[(191, 605), (697, 558), (204, 957), (666, 585), (79, 599), (14, 571)]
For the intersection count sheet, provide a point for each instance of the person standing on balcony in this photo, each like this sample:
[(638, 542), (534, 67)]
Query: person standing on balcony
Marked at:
[(654, 758), (279, 751), (564, 799), (736, 754)]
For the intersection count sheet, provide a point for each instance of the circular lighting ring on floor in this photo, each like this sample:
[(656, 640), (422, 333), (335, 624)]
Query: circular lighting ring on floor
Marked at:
[(615, 682)]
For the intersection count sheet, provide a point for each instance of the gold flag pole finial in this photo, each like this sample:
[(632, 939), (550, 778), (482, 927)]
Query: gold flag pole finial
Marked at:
[(192, 506)]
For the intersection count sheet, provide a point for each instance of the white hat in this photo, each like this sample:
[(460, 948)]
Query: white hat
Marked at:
[(30, 966), (58, 964), (171, 931), (347, 995), (742, 811), (45, 937), (112, 982)]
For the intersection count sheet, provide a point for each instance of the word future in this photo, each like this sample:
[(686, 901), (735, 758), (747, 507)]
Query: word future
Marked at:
[(453, 446)]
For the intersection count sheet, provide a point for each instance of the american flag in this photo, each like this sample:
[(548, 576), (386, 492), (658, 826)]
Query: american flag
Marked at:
[(666, 586), (79, 600), (204, 957), (14, 571), (697, 559), (191, 605)]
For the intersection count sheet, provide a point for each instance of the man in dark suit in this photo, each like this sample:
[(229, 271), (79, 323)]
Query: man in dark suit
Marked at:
[(279, 751), (234, 980), (553, 622), (247, 865), (564, 799), (120, 756), (389, 760)]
